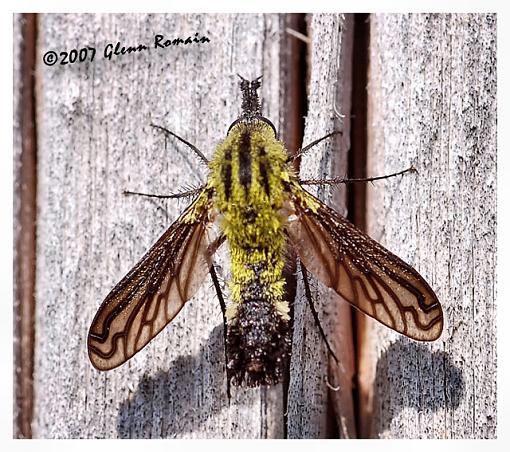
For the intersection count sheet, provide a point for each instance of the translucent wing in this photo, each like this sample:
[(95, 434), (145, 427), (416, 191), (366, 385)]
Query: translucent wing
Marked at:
[(363, 272), (152, 293)]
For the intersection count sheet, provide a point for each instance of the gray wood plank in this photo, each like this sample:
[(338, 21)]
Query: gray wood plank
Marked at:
[(432, 92), (94, 142), (311, 413)]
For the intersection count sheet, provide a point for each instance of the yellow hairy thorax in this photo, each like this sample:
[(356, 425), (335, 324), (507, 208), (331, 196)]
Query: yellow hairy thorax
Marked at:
[(249, 171)]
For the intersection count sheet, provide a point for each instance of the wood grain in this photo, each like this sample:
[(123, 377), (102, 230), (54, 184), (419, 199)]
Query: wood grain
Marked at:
[(432, 103), (95, 141)]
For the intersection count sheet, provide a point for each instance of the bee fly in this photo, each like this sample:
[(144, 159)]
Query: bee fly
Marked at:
[(262, 209)]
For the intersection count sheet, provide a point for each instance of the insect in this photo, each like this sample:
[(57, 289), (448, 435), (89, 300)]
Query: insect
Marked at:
[(262, 209)]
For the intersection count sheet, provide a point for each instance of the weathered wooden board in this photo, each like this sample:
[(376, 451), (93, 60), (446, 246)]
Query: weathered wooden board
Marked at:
[(432, 103), (94, 142), (313, 407)]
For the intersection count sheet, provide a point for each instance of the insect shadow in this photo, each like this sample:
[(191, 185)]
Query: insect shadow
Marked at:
[(409, 375), (177, 401)]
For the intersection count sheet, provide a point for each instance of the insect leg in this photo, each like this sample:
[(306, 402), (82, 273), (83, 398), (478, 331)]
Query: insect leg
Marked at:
[(313, 143), (341, 180), (308, 295), (197, 151), (184, 194), (216, 283)]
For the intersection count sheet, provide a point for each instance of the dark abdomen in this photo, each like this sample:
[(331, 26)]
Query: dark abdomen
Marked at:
[(258, 338)]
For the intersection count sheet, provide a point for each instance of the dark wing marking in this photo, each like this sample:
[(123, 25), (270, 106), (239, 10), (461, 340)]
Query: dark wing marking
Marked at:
[(151, 294), (365, 273)]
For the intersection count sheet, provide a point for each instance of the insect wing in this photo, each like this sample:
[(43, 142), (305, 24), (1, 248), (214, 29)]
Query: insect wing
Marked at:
[(364, 273), (151, 294)]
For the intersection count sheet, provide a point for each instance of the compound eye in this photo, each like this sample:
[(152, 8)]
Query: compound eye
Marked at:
[(259, 118), (269, 123), (237, 121)]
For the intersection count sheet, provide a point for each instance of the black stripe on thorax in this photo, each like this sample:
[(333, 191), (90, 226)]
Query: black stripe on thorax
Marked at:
[(227, 173), (263, 170), (245, 160)]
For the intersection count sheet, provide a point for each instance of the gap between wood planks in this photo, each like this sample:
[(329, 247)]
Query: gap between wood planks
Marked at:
[(294, 102), (357, 167), (296, 81), (25, 236)]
